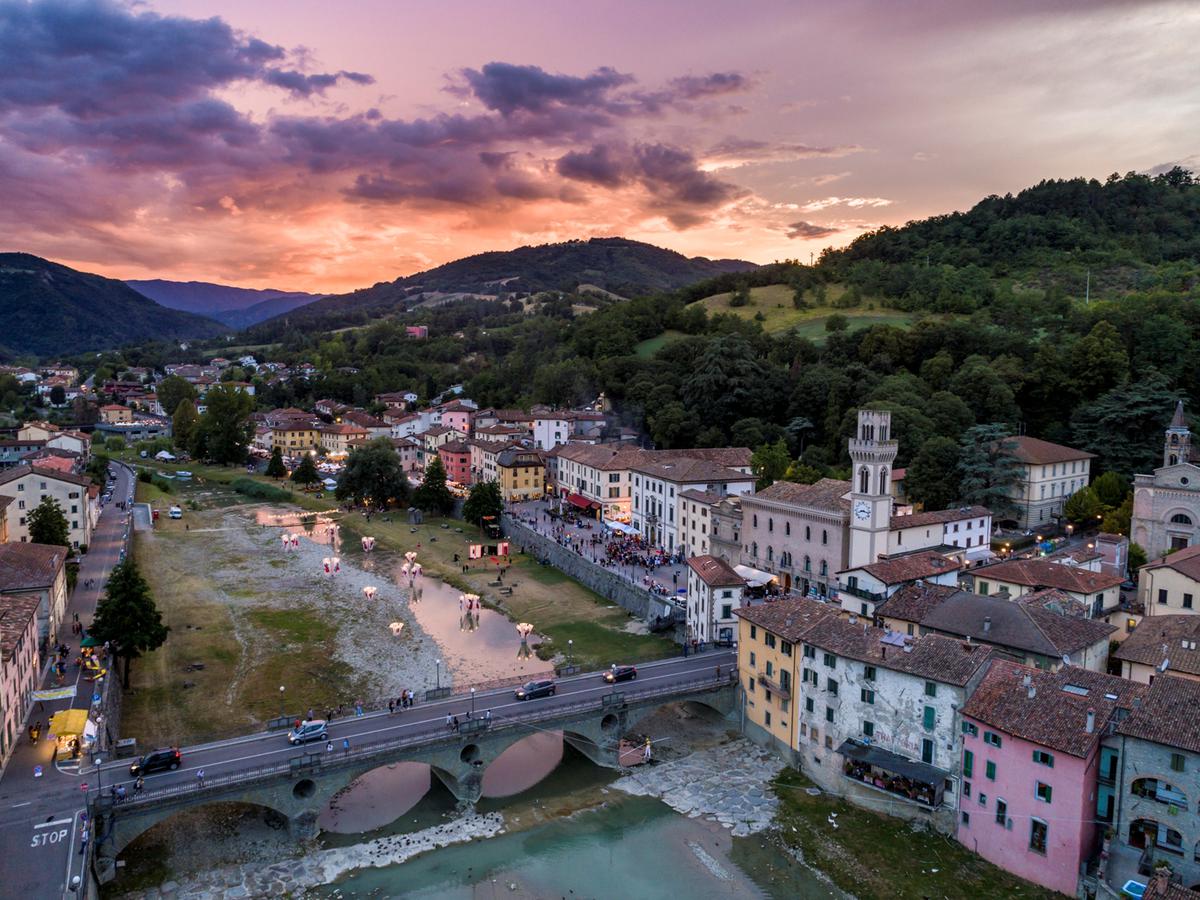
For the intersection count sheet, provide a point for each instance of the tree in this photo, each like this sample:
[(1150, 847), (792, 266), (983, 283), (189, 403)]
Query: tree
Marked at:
[(127, 616), (1116, 521), (433, 496), (48, 525), (837, 322), (97, 467), (306, 473), (932, 478), (802, 473), (184, 424), (1124, 426), (988, 468), (740, 296), (484, 502), (173, 389), (374, 474), (769, 462), (58, 395), (225, 431), (1110, 489), (1082, 506), (276, 468), (1137, 558)]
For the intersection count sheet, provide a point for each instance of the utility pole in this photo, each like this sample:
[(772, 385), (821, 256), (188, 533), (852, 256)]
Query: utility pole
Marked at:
[(1087, 291)]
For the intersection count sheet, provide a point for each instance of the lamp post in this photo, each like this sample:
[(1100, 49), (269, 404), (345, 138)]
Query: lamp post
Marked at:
[(570, 652), (472, 703), (281, 690), (438, 673)]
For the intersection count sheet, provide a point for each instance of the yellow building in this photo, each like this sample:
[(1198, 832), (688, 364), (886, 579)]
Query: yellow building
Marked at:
[(115, 414), (296, 439), (1171, 585), (522, 475)]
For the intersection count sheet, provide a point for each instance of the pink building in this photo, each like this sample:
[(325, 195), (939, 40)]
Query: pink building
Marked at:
[(455, 415), (1031, 752), (19, 670), (456, 457)]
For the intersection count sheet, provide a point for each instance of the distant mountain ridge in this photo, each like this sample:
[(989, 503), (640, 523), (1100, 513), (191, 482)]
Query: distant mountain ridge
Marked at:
[(50, 309), (616, 265), (237, 307)]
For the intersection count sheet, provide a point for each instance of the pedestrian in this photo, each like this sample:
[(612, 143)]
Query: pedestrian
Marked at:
[(310, 714), (83, 842), (391, 707), (449, 721), (358, 708), (346, 744), (329, 746), (488, 716), (200, 777), (139, 786), (455, 725)]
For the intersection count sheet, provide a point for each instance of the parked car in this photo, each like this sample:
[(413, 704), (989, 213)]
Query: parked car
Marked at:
[(176, 512), (312, 730), (163, 759), (620, 673), (531, 690)]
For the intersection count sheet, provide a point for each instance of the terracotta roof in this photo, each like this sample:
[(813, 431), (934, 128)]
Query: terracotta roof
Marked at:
[(599, 456), (342, 429), (707, 497), (790, 619), (1056, 715), (5, 500), (1040, 573), (1167, 714), (1160, 887), (455, 447), (940, 517), (682, 470), (1056, 601), (913, 601), (826, 494), (930, 656), (366, 420), (1185, 562), (25, 566), (513, 457), (15, 612), (902, 569), (1157, 638), (21, 471), (1003, 623), (715, 572), (1035, 451)]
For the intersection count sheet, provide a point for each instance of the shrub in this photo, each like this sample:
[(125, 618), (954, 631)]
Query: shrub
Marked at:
[(250, 488), (145, 477), (163, 485)]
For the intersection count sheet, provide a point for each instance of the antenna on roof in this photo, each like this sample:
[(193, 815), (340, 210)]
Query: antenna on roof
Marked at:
[(1066, 659), (1162, 666)]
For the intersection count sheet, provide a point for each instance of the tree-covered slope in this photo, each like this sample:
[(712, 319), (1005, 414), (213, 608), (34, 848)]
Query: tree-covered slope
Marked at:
[(48, 309), (237, 307)]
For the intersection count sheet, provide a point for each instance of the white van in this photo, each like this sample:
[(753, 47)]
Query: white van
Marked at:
[(175, 512)]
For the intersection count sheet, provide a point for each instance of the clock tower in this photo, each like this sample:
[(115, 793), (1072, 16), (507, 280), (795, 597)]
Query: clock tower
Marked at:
[(872, 452)]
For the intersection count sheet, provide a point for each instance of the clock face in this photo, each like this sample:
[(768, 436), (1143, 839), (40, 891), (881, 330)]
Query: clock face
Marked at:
[(862, 510)]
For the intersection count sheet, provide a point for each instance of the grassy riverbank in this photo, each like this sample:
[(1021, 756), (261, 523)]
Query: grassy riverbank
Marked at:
[(878, 858)]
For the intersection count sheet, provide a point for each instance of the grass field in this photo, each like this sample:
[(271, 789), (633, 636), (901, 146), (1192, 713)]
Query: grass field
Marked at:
[(775, 304), (650, 346)]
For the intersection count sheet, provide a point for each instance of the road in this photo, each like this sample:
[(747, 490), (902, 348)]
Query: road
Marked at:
[(252, 751), (41, 820)]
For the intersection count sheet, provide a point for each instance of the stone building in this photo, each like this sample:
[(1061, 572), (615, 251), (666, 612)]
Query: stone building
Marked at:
[(1166, 504), (1050, 474)]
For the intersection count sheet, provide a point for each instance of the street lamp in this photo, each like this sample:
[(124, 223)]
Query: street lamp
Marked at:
[(570, 652), (438, 673), (472, 703), (281, 690)]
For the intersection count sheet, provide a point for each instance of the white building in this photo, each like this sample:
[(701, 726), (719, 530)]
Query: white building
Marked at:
[(658, 507), (714, 592), (27, 485), (550, 430), (1050, 474)]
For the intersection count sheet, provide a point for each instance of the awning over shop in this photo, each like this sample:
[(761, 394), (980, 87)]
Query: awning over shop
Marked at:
[(59, 693), (894, 763), (69, 722), (621, 527), (754, 577), (581, 502), (978, 553)]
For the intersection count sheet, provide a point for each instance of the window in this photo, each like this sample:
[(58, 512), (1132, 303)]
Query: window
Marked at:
[(927, 751), (1038, 831), (810, 652), (753, 633), (1177, 519), (1001, 811), (808, 704), (770, 669), (868, 729), (830, 661), (966, 818), (752, 680), (1043, 792), (807, 533), (726, 610), (752, 659), (968, 763), (989, 770), (787, 528), (970, 728), (1187, 601), (824, 536), (828, 742), (990, 737), (966, 789), (929, 719), (1178, 762), (831, 686), (785, 647), (767, 718), (983, 799), (1162, 596), (868, 673), (807, 564), (1042, 758), (824, 568), (769, 640), (829, 714), (930, 689), (770, 525), (867, 696)]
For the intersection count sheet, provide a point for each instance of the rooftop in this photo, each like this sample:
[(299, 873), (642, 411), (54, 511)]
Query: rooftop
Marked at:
[(910, 567), (790, 619), (1158, 639), (26, 566), (1052, 709), (912, 602), (715, 572), (827, 494), (1035, 451), (682, 470), (1185, 562), (15, 612), (23, 470), (1041, 573), (1167, 714), (940, 517)]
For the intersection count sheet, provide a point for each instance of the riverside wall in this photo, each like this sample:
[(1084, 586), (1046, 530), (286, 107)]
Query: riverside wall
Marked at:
[(608, 584)]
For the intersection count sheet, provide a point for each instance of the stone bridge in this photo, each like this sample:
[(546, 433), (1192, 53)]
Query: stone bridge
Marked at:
[(301, 787)]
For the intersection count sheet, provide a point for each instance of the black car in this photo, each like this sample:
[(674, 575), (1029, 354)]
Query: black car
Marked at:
[(531, 690), (620, 673), (161, 760)]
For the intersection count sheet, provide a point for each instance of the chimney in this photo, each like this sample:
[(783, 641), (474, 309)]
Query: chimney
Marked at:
[(987, 624), (1026, 680), (853, 619), (1032, 692), (1091, 721)]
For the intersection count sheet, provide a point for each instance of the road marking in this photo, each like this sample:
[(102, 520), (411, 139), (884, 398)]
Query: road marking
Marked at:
[(71, 854), (19, 805), (50, 824)]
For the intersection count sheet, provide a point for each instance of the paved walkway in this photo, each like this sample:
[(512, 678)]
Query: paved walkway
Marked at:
[(670, 578), (40, 815)]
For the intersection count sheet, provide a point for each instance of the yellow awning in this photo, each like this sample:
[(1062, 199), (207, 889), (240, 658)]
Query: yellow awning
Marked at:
[(68, 722)]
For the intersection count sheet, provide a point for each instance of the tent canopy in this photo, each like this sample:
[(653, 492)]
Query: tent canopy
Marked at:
[(754, 577), (164, 455), (621, 527), (68, 722), (581, 501), (893, 762), (89, 641)]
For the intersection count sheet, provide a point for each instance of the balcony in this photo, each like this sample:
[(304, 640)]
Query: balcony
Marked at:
[(914, 782), (856, 591), (775, 687)]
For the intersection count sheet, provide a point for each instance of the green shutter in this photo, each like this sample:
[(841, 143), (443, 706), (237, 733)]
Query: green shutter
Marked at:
[(990, 770), (930, 718), (968, 763)]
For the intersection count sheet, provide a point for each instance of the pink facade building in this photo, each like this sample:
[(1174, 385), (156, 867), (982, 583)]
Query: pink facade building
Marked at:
[(1031, 754), (455, 415), (456, 458)]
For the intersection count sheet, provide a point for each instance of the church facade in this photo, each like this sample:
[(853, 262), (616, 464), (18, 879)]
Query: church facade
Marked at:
[(1166, 505)]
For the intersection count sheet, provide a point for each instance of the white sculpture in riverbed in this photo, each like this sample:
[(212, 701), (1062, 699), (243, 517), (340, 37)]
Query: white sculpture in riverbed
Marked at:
[(368, 544), (396, 627), (524, 630), (370, 591), (332, 565)]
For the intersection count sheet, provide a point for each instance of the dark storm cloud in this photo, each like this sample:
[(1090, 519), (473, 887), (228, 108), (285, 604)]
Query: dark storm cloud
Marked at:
[(810, 231), (508, 88)]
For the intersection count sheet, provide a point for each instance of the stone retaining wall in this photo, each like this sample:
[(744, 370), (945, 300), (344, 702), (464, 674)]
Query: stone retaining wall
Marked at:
[(608, 584)]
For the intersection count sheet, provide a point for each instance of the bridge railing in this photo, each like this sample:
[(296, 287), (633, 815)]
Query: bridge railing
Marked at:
[(314, 762)]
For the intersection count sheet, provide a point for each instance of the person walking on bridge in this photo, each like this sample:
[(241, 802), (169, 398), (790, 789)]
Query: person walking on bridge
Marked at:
[(200, 777)]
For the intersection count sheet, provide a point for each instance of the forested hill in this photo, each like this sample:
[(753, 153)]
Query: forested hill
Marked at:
[(615, 265), (48, 309)]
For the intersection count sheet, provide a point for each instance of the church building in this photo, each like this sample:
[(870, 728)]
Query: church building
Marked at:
[(1166, 505)]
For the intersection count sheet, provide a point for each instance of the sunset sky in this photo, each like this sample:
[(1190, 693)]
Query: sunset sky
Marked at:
[(325, 146)]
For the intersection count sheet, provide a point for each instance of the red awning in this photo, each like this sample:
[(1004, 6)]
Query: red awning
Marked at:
[(581, 502)]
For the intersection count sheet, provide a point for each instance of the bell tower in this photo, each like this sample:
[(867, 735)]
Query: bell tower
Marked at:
[(872, 452), (1177, 447)]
